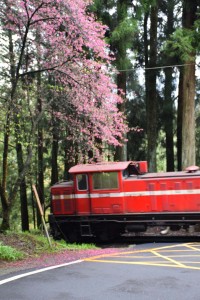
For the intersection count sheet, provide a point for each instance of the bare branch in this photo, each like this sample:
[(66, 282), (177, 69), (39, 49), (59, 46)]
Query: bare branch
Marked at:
[(41, 20), (44, 70), (36, 10)]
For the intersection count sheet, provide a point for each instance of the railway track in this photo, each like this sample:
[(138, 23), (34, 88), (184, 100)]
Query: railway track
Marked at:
[(154, 236), (126, 241)]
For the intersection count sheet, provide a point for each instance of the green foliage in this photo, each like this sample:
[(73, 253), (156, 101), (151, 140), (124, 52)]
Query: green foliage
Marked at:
[(180, 44), (99, 5), (125, 30), (146, 4), (10, 253), (197, 33), (62, 245)]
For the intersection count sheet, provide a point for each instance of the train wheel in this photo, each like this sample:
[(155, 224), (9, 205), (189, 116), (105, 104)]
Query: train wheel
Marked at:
[(55, 232), (72, 235), (103, 236), (108, 232)]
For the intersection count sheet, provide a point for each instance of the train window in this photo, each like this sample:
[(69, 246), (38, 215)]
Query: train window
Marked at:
[(82, 182), (125, 173), (105, 180)]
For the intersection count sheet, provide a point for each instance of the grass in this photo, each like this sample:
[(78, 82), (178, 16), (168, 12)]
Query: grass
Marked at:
[(18, 245), (75, 246), (9, 253)]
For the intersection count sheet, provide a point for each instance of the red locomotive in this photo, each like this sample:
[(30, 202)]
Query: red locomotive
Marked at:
[(108, 199)]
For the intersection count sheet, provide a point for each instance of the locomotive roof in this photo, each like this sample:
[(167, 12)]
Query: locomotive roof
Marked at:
[(100, 167), (170, 174), (63, 184)]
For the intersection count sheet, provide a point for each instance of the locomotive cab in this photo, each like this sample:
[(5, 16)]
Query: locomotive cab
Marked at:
[(83, 206)]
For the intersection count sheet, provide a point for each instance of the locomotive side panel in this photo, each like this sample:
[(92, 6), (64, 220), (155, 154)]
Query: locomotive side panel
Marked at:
[(62, 199), (135, 199), (162, 195), (141, 196), (104, 204), (192, 199)]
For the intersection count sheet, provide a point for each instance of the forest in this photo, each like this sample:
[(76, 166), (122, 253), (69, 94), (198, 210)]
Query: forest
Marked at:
[(83, 81)]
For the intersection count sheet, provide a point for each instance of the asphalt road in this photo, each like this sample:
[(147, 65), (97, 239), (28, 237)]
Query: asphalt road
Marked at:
[(149, 271)]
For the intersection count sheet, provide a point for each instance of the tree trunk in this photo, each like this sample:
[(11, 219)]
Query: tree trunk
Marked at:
[(3, 194), (179, 121), (40, 181), (168, 120), (168, 102), (121, 152), (6, 203), (54, 157), (187, 91), (23, 194), (20, 164), (188, 117), (151, 96), (6, 207)]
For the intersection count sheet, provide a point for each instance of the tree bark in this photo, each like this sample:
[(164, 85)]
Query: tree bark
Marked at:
[(6, 203), (168, 101), (40, 147), (188, 117), (179, 121), (168, 120), (54, 158), (23, 193), (6, 208), (151, 93), (187, 93), (121, 152)]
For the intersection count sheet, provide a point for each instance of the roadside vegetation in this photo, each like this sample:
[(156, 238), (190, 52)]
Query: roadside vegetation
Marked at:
[(10, 253), (20, 245)]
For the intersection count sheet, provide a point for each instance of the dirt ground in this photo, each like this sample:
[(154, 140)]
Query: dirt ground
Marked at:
[(28, 247)]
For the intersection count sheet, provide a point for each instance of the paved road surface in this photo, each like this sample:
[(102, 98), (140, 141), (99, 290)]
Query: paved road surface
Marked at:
[(145, 272)]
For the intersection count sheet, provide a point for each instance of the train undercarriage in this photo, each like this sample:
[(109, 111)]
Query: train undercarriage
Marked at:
[(104, 228)]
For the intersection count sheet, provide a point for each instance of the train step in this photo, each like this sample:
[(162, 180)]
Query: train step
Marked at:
[(86, 230)]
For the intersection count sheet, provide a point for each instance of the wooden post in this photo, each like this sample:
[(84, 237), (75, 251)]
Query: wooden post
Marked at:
[(41, 213)]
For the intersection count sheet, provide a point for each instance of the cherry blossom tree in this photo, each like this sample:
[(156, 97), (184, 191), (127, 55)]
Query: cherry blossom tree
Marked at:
[(61, 39)]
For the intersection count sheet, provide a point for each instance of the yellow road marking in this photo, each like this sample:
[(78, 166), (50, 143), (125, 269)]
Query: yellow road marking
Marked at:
[(192, 247), (191, 262), (137, 254), (142, 263), (177, 250), (128, 262), (167, 258), (194, 255)]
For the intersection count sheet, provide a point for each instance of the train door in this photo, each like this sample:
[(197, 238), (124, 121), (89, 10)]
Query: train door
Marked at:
[(82, 195), (106, 196)]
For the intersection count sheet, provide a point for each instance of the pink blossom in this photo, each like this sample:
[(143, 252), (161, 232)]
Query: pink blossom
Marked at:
[(69, 43)]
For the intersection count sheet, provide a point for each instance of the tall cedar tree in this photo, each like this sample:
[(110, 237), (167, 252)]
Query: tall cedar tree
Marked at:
[(121, 49), (151, 93), (186, 101), (168, 109)]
